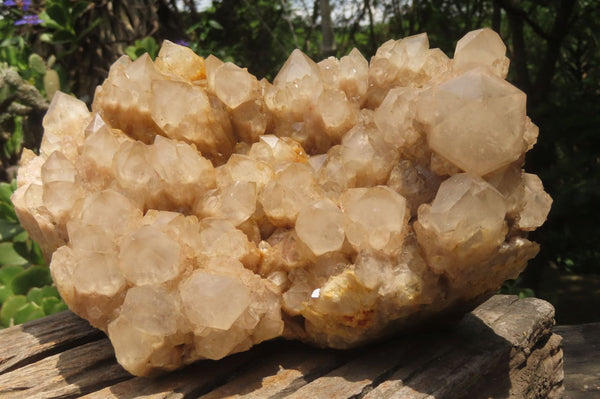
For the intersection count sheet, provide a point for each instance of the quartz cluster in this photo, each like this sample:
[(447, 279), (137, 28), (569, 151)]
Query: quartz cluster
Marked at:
[(196, 211)]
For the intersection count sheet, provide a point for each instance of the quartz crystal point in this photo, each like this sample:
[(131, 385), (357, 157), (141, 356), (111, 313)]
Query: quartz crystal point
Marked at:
[(482, 47), (196, 210), (495, 110)]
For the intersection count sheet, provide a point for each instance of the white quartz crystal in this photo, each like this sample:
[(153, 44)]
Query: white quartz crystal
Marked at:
[(374, 218), (321, 227), (482, 47), (234, 85), (197, 211), (476, 121), (222, 300), (149, 256)]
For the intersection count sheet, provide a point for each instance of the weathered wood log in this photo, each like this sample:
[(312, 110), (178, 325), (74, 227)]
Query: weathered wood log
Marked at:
[(30, 342), (503, 349)]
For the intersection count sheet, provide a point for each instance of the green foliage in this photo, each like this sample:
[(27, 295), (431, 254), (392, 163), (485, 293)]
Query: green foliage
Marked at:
[(18, 101), (256, 35), (12, 146), (7, 211), (26, 291), (16, 248), (16, 49), (515, 287), (145, 45), (60, 18), (203, 36), (33, 276), (566, 155), (19, 56), (566, 158)]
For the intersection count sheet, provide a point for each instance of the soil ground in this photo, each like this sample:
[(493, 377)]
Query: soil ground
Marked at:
[(576, 297)]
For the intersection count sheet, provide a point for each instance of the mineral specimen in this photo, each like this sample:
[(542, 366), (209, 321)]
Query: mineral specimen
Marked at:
[(197, 211)]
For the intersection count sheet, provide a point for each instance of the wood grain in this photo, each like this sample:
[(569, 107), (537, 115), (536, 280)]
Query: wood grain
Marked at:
[(68, 374), (40, 338), (506, 341)]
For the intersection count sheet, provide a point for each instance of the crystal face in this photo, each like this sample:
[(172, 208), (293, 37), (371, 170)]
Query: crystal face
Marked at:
[(482, 47), (495, 110), (197, 211)]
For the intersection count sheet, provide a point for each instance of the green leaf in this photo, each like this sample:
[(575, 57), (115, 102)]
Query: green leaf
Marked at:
[(49, 22), (38, 295), (5, 292), (23, 248), (28, 312), (145, 45), (50, 291), (150, 45), (13, 57), (6, 191), (59, 15), (28, 249), (90, 28), (37, 64), (15, 141), (7, 212), (34, 276), (10, 307), (5, 92), (194, 27), (51, 60), (63, 37), (8, 273), (36, 256), (131, 53), (47, 37), (214, 24), (9, 256), (35, 295), (15, 41), (53, 305), (21, 237), (79, 8), (526, 293), (9, 229)]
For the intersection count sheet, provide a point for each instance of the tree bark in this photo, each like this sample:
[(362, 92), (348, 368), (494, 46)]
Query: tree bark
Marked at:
[(520, 53), (328, 45), (539, 88), (543, 83), (496, 17)]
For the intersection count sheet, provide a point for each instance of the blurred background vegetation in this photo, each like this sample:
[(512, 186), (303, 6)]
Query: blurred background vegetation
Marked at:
[(553, 45)]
